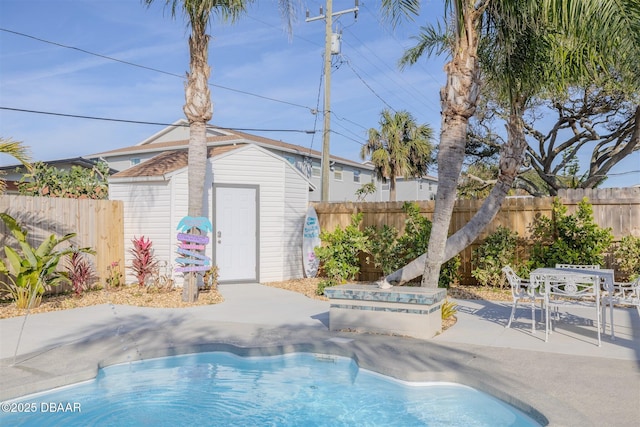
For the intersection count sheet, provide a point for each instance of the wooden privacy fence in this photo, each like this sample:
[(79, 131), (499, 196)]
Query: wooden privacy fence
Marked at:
[(615, 208), (98, 224)]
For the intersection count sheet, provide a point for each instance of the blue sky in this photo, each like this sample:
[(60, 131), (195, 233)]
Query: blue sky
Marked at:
[(255, 56)]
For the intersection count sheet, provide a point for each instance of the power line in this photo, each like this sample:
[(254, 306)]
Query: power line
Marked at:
[(345, 136), (110, 58), (367, 84), (140, 122), (394, 72)]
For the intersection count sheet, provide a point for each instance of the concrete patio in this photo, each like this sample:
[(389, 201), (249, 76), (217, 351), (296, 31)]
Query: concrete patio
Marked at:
[(568, 381)]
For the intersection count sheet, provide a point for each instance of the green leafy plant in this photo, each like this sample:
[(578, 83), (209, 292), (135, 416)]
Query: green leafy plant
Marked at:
[(627, 257), (450, 272), (77, 183), (568, 239), (497, 250), (144, 262), (340, 252), (80, 273), (31, 270), (383, 248), (365, 190), (114, 276)]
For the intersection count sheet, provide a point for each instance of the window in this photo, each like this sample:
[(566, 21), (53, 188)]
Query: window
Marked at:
[(315, 170), (385, 186), (337, 173), (290, 160), (134, 162), (356, 176)]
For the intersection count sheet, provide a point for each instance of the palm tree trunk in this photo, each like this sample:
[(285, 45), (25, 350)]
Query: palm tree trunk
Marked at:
[(198, 110), (458, 98), (197, 159), (450, 157), (392, 189)]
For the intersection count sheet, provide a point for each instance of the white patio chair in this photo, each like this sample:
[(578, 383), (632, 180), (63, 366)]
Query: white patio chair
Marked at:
[(579, 266), (623, 294), (572, 289), (523, 290)]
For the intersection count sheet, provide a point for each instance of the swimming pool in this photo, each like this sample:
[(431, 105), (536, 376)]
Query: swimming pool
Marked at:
[(219, 388)]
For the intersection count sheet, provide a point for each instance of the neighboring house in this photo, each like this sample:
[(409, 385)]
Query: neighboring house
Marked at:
[(14, 173), (412, 189)]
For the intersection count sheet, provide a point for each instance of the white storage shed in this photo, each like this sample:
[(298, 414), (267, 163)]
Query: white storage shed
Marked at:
[(255, 199)]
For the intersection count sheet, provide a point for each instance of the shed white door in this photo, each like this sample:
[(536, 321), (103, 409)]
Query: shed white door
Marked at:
[(235, 233)]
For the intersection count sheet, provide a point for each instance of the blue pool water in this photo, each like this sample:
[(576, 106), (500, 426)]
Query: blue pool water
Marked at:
[(222, 389)]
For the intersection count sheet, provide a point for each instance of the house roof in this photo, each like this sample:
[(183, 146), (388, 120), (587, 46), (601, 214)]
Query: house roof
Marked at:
[(218, 136), (167, 162), (74, 161)]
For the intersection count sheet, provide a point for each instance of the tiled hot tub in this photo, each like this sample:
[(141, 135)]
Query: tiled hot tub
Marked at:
[(407, 311)]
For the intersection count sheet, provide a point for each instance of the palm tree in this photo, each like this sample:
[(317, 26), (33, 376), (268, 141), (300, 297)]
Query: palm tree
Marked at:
[(198, 108), (400, 148), (16, 150), (591, 32)]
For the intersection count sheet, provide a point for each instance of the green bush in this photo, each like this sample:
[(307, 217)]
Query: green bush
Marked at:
[(497, 250), (627, 257), (339, 253), (390, 252), (449, 272), (568, 239), (77, 183), (383, 248)]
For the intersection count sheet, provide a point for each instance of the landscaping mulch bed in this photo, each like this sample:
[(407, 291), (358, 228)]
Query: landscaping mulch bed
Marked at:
[(141, 297), (126, 295)]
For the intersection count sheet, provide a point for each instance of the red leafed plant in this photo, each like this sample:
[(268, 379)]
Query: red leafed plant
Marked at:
[(144, 262), (80, 273)]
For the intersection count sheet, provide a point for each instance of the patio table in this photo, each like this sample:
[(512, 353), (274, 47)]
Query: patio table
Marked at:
[(605, 274), (606, 279)]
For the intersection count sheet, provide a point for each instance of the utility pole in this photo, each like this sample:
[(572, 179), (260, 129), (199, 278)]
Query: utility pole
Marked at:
[(329, 50)]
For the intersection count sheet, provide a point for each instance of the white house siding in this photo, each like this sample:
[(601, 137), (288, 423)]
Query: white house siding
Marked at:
[(255, 166), (146, 208)]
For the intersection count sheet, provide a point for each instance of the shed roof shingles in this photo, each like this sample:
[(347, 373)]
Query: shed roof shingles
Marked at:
[(167, 162)]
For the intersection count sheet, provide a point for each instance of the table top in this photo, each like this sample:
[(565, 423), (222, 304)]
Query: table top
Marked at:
[(605, 273)]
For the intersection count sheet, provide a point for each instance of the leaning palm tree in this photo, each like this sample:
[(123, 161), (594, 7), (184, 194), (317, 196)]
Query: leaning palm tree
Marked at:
[(198, 108), (594, 30), (16, 150), (400, 148)]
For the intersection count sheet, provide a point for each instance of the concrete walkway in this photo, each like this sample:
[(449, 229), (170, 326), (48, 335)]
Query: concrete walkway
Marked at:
[(567, 381)]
